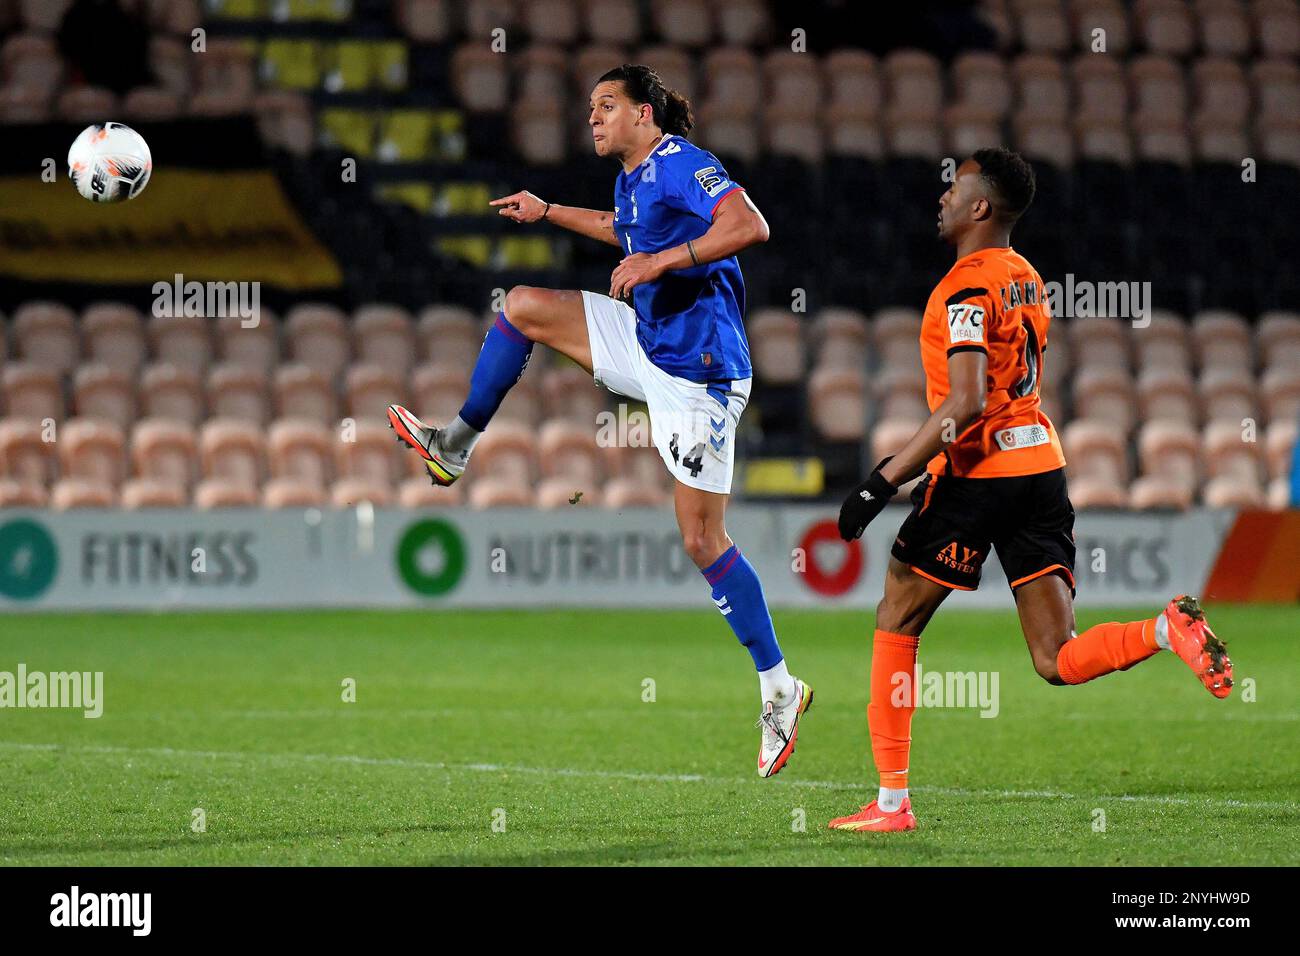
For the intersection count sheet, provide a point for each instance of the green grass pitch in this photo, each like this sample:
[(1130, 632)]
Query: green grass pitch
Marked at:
[(462, 715)]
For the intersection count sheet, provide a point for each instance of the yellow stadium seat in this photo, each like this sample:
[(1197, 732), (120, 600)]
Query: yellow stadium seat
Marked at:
[(464, 199), (476, 250), (291, 64), (524, 252), (417, 195), (406, 136), (236, 9), (389, 64), (450, 132), (353, 131)]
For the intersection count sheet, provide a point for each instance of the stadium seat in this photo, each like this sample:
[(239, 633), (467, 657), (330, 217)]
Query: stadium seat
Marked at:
[(1232, 492), (915, 83), (1165, 26), (71, 494), (371, 388), (318, 337), (551, 21), (417, 493), (350, 492), (99, 391), (301, 449), (793, 133), (1279, 446), (838, 403), (1105, 395), (1163, 343), (181, 340), (728, 134), (776, 346), (257, 346), (25, 456), (169, 60), (1088, 493), (1099, 342), (896, 334), (1093, 449), (1279, 394), (141, 493), (492, 492), (792, 80), (150, 105), (426, 21), (239, 391), (1227, 454), (165, 450), (1110, 16), (508, 451), (538, 126), (369, 451), (624, 493), (563, 492), (18, 494), (285, 121), (233, 450), (900, 393), (1170, 450), (1227, 394), (226, 70), (1042, 89), (86, 104), (1159, 493), (170, 391), (1166, 393), (113, 334), (306, 393), (855, 83), (292, 493), (1277, 495), (438, 390), (1222, 339), (1224, 28), (568, 449), (45, 333), (842, 338), (480, 78), (1277, 335), (570, 393), (1277, 28), (93, 450), (1042, 26), (1222, 92), (449, 334), (31, 61), (24, 104), (32, 392), (1100, 88), (215, 493), (682, 22)]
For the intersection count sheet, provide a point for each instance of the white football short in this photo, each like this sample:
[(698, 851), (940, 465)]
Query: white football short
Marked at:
[(693, 424)]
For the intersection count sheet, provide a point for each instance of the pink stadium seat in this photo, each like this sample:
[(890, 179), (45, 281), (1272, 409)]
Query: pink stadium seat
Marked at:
[(1088, 493), (1105, 395), (1278, 338), (1215, 143), (1222, 92), (1165, 141), (1227, 394), (70, 494), (152, 106), (982, 80), (1170, 450), (233, 450), (165, 450), (292, 493), (170, 60), (838, 403), (239, 391), (1158, 90), (493, 492), (1046, 141), (551, 21), (25, 457), (1222, 339), (17, 494), (438, 391), (1232, 492), (371, 454), (1159, 493), (449, 334), (93, 450), (554, 494), (182, 340), (612, 21), (915, 82), (480, 77), (371, 388), (623, 493), (426, 21), (31, 61), (842, 337), (215, 493), (1042, 26), (592, 61), (305, 392), (142, 493), (538, 126), (24, 104), (417, 493), (896, 333), (674, 65), (855, 84), (45, 333), (1278, 494), (742, 22), (1100, 88), (318, 337), (522, 404), (1099, 342), (776, 346), (1166, 394), (1042, 88), (793, 80), (1104, 140), (113, 334), (1224, 28), (301, 449), (793, 132), (170, 391), (1277, 88), (1165, 26), (1107, 15), (99, 391), (728, 133), (569, 450), (733, 80), (284, 119), (1279, 394), (1164, 343), (507, 450), (350, 492), (1279, 140), (900, 393), (569, 392), (1093, 449), (257, 346), (1277, 27), (86, 104), (31, 391), (1279, 445), (227, 69), (1227, 453)]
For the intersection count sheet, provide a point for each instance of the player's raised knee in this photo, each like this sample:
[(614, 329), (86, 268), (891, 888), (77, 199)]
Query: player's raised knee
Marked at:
[(524, 308), (703, 547), (1045, 665)]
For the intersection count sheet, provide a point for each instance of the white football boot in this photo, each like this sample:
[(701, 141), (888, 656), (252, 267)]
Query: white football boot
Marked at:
[(444, 466), (780, 726)]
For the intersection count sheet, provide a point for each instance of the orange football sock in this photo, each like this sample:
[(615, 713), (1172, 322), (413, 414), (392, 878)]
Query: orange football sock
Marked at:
[(1105, 648), (889, 712)]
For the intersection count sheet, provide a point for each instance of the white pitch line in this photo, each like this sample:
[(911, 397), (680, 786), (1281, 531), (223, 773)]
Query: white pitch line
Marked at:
[(578, 772)]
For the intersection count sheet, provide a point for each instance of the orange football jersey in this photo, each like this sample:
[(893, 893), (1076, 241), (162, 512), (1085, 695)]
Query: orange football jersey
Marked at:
[(993, 301)]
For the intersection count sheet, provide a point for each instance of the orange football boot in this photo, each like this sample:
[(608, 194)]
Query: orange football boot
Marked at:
[(872, 818), (1191, 639)]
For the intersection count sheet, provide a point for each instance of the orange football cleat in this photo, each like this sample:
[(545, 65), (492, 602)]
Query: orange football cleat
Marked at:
[(1191, 639), (872, 818)]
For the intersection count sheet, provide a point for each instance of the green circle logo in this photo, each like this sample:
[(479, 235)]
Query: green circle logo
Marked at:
[(29, 559), (431, 557)]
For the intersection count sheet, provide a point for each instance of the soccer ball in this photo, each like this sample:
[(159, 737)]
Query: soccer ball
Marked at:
[(109, 162)]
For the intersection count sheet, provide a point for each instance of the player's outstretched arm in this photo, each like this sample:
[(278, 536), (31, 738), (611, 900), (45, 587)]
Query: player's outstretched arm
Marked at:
[(736, 226), (958, 411), (525, 207)]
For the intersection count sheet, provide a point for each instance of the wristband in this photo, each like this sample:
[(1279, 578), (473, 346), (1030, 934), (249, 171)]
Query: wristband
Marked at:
[(546, 210)]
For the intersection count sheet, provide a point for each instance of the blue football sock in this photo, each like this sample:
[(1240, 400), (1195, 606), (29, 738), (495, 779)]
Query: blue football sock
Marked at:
[(500, 364), (739, 596)]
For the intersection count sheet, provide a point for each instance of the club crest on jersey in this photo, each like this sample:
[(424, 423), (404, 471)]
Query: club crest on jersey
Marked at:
[(710, 180), (965, 323)]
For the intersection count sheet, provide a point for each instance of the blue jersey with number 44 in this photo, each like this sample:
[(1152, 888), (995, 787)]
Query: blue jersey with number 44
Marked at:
[(690, 322)]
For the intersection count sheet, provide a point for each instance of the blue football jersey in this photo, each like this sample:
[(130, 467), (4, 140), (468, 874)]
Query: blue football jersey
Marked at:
[(691, 321)]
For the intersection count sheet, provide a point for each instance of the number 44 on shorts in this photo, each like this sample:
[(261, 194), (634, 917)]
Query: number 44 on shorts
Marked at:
[(694, 462)]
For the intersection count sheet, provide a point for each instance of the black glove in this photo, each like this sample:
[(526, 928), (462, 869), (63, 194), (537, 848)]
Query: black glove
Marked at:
[(865, 502)]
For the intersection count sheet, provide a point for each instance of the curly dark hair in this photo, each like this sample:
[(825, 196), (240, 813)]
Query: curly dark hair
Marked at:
[(1011, 180), (672, 111)]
